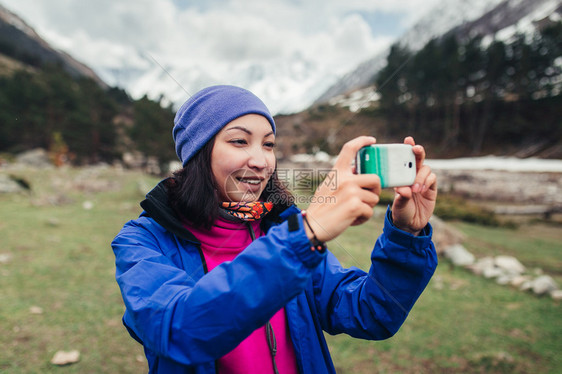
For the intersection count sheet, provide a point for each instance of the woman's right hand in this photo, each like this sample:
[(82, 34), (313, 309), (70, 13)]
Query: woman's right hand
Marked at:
[(344, 198)]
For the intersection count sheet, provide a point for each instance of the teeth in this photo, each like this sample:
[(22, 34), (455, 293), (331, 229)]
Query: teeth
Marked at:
[(250, 181)]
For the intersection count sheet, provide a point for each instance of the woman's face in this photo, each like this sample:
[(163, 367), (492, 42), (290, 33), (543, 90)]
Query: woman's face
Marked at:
[(243, 158)]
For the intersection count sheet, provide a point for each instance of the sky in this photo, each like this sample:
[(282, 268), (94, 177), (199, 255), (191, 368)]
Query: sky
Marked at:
[(218, 36), (219, 32)]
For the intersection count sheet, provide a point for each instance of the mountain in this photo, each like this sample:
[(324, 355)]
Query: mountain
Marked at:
[(19, 42), (285, 88), (492, 18), (49, 100)]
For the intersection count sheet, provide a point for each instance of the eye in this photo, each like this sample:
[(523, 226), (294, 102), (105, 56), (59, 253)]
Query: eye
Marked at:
[(238, 141), (269, 144)]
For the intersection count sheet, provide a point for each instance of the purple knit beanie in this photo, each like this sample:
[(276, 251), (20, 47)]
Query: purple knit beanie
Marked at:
[(204, 114)]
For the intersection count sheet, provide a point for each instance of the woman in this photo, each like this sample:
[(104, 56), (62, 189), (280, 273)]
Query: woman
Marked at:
[(217, 278)]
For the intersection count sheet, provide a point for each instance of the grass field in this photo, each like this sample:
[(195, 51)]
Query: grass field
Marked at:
[(57, 256)]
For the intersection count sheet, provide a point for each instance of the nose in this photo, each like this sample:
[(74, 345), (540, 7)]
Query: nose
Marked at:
[(257, 158)]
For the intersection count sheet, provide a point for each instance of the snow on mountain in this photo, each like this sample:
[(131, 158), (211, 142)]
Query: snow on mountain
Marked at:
[(285, 88), (496, 19), (443, 17)]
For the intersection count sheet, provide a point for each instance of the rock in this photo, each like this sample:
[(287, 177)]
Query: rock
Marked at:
[(481, 266), (544, 284), (527, 285), (556, 295), (5, 258), (87, 205), (8, 185), (510, 264), (65, 357), (36, 310), (518, 280), (37, 158), (458, 255), (492, 272), (504, 278)]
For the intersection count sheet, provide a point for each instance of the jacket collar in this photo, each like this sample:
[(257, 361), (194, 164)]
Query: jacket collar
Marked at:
[(156, 206)]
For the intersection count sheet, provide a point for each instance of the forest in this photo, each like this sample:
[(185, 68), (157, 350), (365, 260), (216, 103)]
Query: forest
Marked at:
[(477, 94), (78, 120)]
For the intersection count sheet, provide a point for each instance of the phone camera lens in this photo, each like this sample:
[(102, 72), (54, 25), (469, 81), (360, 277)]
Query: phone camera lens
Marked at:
[(410, 165)]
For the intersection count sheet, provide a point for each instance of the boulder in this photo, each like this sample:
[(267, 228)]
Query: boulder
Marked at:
[(482, 265), (5, 258), (37, 158), (62, 358), (518, 280), (492, 272), (544, 284), (556, 295), (8, 185), (509, 264), (504, 278), (458, 255)]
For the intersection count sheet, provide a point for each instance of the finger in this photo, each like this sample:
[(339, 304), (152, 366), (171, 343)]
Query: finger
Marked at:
[(368, 197), (359, 221), (367, 181), (402, 193), (431, 183), (419, 152), (362, 188), (349, 151), (420, 181), (365, 213), (409, 140)]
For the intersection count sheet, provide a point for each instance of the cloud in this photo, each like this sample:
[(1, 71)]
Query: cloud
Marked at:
[(228, 30), (287, 38)]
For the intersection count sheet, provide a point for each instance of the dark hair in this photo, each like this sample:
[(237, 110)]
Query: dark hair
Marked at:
[(193, 191)]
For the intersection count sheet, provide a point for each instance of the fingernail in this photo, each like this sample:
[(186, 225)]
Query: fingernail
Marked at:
[(416, 187)]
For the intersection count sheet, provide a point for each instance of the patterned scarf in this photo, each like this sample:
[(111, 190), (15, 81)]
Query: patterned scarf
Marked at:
[(247, 211)]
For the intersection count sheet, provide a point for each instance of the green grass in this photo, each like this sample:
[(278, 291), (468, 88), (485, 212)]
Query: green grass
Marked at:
[(535, 245), (463, 323), (61, 261)]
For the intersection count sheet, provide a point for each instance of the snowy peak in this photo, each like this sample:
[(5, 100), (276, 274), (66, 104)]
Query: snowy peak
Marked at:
[(511, 17), (443, 17), (285, 88), (489, 18)]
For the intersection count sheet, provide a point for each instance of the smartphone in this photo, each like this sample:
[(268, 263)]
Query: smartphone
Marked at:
[(395, 164)]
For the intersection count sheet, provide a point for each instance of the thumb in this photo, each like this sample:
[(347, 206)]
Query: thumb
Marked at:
[(349, 151), (401, 196)]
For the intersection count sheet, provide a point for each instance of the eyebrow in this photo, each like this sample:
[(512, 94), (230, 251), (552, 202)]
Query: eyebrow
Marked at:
[(246, 130)]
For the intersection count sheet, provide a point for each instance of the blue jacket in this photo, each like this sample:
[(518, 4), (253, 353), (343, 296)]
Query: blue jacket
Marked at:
[(187, 318)]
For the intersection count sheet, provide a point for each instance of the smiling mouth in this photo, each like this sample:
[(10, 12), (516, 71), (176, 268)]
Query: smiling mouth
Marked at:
[(252, 181)]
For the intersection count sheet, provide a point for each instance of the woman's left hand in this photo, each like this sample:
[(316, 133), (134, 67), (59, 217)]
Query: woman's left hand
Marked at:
[(413, 206)]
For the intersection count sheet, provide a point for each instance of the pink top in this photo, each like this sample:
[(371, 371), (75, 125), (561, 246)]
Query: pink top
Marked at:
[(222, 243)]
